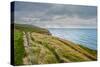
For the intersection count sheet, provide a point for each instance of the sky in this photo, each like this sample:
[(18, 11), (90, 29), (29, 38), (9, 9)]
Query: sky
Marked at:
[(48, 15)]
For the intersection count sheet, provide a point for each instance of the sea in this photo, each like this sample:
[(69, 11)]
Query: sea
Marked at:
[(83, 36)]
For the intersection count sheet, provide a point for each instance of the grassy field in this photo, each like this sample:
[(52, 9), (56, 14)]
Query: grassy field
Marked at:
[(63, 51), (93, 52), (19, 50), (40, 47)]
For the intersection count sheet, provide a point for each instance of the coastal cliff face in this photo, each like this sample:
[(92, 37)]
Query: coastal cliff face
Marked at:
[(34, 45)]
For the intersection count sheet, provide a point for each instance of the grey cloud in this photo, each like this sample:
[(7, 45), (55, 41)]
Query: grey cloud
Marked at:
[(71, 10), (55, 15)]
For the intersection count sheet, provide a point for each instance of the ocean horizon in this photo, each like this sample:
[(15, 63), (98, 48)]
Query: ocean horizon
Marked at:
[(83, 36)]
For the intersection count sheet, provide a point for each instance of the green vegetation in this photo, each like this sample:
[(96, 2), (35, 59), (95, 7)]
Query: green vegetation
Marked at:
[(63, 50), (93, 52), (39, 47), (31, 28), (19, 50)]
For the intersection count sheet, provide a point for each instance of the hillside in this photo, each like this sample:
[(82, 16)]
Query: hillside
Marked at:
[(31, 28), (34, 45)]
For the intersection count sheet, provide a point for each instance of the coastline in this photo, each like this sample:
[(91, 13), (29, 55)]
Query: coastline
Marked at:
[(47, 49)]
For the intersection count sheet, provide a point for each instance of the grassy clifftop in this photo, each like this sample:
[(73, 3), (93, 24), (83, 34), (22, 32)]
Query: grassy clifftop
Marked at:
[(39, 47), (31, 28)]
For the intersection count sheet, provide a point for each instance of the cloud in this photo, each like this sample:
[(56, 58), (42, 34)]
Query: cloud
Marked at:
[(55, 15)]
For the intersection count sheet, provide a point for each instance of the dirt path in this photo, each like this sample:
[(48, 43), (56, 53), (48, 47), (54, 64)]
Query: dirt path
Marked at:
[(26, 59), (51, 49)]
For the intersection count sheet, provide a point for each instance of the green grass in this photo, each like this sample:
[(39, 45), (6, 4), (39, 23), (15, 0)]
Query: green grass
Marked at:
[(31, 28), (19, 50), (64, 51), (41, 54), (45, 48), (93, 52)]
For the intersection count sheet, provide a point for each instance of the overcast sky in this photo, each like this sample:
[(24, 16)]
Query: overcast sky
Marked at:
[(56, 15)]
